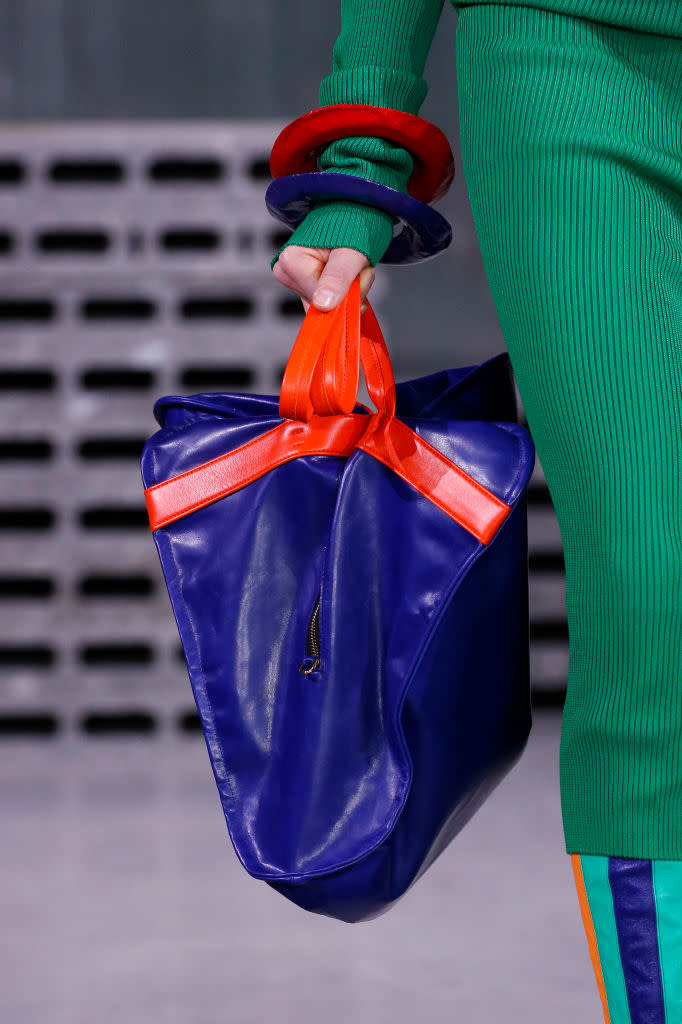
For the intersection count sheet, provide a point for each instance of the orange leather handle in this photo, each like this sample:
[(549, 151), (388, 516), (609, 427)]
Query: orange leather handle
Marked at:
[(376, 363), (320, 386), (295, 399), (323, 371), (334, 383)]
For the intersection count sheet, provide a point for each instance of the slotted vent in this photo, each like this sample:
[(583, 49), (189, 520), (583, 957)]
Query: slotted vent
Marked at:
[(135, 269)]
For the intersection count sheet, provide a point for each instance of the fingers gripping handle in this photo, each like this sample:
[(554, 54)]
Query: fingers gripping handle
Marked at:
[(322, 374)]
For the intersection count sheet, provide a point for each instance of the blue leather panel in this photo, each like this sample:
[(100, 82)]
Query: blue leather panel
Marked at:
[(635, 911)]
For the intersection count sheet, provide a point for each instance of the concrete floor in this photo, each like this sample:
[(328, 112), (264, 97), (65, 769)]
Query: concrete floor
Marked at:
[(122, 900)]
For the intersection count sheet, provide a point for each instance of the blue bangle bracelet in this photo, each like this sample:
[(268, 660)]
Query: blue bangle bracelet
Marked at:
[(425, 233)]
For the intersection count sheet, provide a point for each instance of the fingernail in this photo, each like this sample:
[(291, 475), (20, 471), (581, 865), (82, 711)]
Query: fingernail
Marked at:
[(325, 299)]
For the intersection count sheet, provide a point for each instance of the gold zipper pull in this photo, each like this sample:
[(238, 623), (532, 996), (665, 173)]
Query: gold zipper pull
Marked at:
[(307, 669), (311, 662)]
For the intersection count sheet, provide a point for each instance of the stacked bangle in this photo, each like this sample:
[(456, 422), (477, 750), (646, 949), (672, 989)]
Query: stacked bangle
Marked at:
[(425, 232), (299, 144), (298, 184)]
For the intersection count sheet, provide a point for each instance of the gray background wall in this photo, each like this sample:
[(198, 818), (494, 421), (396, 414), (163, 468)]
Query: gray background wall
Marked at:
[(173, 58)]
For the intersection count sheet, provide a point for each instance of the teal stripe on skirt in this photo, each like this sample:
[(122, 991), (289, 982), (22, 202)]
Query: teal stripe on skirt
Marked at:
[(633, 967)]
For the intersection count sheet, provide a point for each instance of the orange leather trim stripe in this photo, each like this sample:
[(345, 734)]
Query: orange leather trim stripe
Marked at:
[(589, 931), (383, 437), (324, 435), (436, 477)]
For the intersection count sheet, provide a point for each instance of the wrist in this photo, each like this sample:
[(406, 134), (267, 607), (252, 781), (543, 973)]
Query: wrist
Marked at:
[(334, 223)]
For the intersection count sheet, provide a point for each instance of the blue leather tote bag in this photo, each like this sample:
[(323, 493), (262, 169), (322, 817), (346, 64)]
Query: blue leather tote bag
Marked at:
[(350, 586)]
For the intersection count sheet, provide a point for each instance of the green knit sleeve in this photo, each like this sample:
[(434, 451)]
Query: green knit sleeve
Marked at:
[(378, 58)]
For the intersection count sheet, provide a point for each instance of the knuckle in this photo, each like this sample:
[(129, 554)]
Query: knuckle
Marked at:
[(287, 257)]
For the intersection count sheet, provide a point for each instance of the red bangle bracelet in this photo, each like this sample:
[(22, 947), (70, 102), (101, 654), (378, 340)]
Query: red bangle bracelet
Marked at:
[(299, 144)]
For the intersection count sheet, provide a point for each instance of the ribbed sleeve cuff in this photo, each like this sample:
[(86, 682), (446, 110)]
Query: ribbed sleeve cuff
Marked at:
[(334, 224)]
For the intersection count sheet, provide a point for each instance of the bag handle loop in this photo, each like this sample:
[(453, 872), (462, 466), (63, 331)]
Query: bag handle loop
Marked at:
[(322, 374)]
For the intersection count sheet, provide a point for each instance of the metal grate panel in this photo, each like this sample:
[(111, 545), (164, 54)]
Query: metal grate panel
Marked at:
[(135, 262)]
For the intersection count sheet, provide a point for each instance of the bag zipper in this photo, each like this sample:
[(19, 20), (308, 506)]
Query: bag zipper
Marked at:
[(311, 662)]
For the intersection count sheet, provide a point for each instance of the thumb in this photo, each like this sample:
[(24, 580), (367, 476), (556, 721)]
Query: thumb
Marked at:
[(341, 269)]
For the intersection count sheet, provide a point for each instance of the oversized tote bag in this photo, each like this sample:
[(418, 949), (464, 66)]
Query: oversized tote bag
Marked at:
[(351, 591)]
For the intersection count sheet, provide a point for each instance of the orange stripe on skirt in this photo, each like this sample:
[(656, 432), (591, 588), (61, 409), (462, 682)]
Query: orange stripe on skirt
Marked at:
[(589, 930)]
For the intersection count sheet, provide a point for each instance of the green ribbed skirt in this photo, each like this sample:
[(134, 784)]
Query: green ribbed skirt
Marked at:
[(571, 135)]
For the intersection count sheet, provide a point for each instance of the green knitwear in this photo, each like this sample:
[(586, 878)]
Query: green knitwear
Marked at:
[(571, 136), (379, 58)]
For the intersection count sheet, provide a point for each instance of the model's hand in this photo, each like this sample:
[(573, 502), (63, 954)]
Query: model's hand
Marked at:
[(312, 273)]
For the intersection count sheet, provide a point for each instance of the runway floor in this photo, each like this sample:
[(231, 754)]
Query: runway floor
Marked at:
[(123, 900)]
